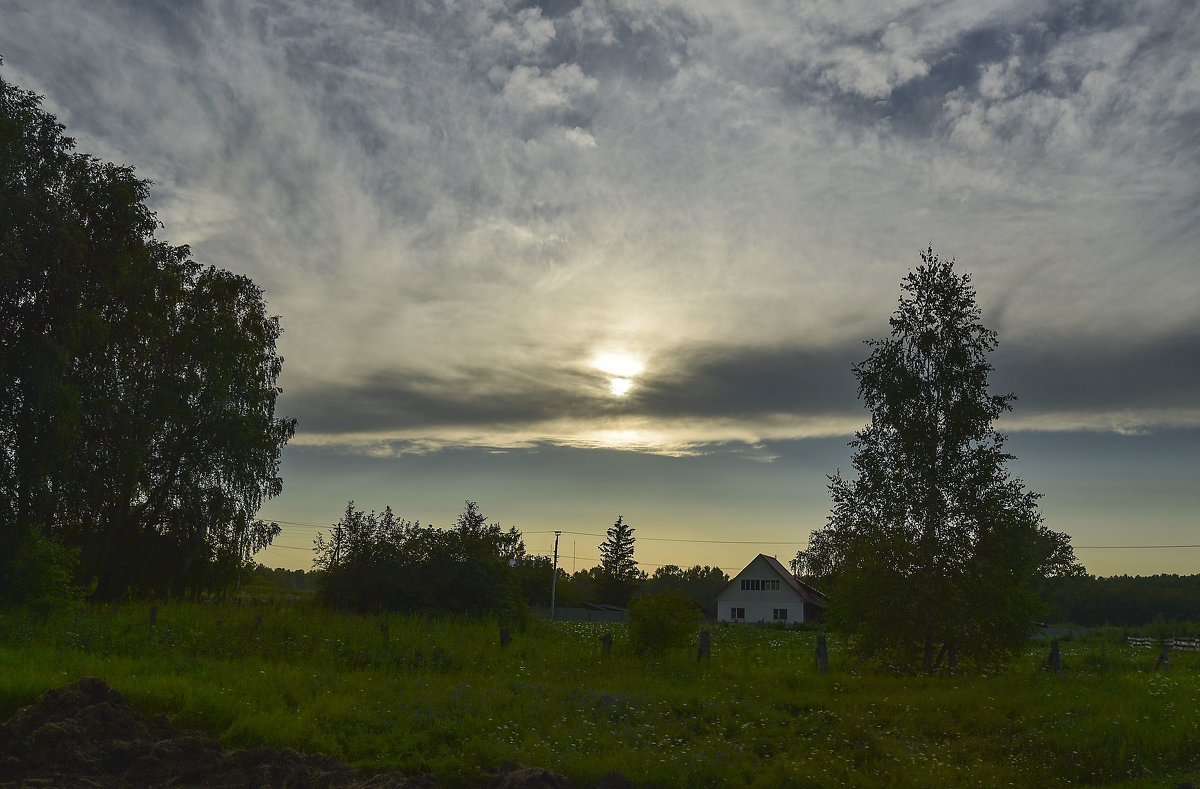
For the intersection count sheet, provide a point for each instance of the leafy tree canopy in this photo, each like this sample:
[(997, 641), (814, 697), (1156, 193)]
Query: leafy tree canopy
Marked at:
[(137, 388), (377, 560), (932, 545), (700, 585)]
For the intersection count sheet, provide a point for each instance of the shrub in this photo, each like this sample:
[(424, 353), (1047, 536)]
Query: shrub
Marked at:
[(375, 561), (41, 574), (661, 621)]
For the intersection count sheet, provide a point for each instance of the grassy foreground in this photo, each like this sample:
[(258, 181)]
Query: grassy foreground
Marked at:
[(441, 696)]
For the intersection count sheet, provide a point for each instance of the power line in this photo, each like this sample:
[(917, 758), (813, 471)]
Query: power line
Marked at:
[(297, 523), (680, 539), (735, 542), (652, 564), (596, 534), (1124, 547), (585, 558)]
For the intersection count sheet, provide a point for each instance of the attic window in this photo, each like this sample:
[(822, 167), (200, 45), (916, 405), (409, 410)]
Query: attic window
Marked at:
[(758, 585)]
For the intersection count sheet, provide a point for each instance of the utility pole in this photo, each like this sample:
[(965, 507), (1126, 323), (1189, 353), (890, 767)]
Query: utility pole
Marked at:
[(554, 575)]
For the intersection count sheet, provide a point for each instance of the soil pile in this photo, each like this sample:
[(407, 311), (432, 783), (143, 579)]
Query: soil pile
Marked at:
[(87, 735)]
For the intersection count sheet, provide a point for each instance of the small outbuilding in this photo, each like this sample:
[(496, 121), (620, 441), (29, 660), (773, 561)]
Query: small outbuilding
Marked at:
[(766, 592)]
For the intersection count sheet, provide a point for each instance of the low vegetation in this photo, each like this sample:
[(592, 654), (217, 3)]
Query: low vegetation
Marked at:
[(441, 695)]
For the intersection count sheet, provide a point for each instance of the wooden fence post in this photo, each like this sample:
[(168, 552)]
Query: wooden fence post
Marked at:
[(505, 637), (952, 660), (153, 615), (606, 644), (822, 654), (705, 646), (1164, 656), (1054, 663)]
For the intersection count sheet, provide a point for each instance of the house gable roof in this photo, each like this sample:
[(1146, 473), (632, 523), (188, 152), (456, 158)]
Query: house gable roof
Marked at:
[(807, 593)]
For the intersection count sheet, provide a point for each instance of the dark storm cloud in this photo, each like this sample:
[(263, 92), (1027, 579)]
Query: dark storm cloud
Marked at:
[(396, 400), (711, 381), (1080, 374), (749, 383)]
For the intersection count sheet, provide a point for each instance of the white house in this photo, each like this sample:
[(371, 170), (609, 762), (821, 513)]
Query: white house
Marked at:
[(766, 592)]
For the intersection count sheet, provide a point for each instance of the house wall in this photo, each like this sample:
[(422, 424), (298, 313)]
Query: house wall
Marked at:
[(759, 605)]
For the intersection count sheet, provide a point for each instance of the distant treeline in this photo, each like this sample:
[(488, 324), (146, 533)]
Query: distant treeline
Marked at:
[(699, 584), (1084, 600), (286, 580), (1122, 599), (372, 560)]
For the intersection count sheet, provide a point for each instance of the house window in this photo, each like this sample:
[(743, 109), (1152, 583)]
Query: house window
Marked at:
[(737, 613), (759, 585), (779, 613)]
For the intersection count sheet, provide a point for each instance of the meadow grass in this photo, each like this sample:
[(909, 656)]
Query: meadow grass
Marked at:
[(440, 696)]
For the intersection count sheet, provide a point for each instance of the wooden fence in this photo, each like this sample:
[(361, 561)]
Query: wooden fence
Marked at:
[(1182, 644)]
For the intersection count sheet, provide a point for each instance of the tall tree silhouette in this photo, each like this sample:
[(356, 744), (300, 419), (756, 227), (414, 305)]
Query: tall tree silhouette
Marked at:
[(137, 388), (932, 545), (619, 574)]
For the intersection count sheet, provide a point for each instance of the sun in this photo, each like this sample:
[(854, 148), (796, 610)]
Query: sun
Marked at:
[(622, 366), (618, 363), (620, 386)]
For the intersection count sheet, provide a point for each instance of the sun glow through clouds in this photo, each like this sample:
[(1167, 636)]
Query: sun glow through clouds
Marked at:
[(620, 386), (621, 366)]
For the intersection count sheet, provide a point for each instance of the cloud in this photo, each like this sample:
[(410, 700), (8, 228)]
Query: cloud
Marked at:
[(454, 206), (706, 397), (1140, 374)]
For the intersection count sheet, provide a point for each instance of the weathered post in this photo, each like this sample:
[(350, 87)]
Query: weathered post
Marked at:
[(822, 654), (952, 660), (505, 637), (1164, 656), (1054, 662), (554, 575), (606, 644), (705, 646), (153, 615)]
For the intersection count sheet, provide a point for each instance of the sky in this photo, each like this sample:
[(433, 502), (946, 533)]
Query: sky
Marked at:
[(575, 260)]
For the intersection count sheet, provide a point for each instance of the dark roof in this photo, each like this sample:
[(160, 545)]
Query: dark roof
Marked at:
[(807, 593), (604, 607)]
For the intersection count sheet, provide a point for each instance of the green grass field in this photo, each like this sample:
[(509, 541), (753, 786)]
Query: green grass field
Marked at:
[(440, 696)]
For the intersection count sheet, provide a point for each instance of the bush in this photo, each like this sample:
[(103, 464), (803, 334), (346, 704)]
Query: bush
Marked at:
[(661, 621), (372, 561), (41, 574)]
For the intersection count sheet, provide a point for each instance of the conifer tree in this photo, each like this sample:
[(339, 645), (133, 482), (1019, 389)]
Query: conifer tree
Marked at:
[(619, 573)]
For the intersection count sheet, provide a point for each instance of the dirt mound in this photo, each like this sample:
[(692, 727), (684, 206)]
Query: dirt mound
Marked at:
[(88, 735)]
